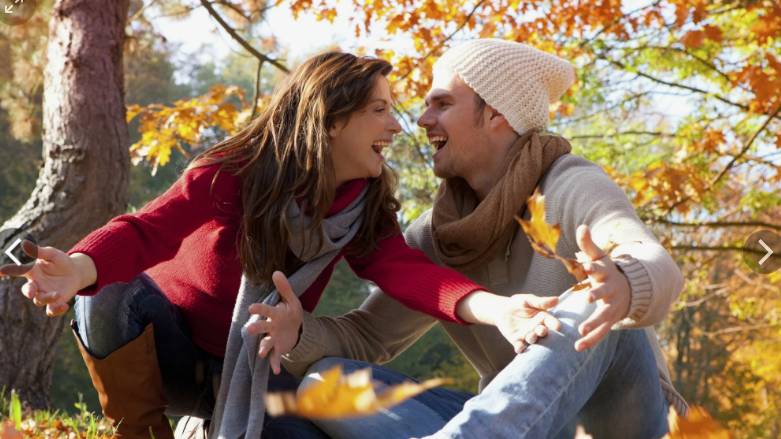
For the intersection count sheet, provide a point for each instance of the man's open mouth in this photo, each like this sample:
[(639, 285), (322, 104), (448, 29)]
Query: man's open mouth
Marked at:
[(438, 141)]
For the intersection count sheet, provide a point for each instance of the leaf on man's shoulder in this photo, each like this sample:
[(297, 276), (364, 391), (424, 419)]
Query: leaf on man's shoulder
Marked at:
[(339, 396)]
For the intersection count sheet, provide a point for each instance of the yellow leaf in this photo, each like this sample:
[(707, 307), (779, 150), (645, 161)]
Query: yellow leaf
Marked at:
[(544, 237), (132, 112), (539, 232), (339, 396)]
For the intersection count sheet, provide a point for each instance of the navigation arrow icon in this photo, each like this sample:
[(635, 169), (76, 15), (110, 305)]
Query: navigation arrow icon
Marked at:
[(11, 255), (762, 251), (767, 249)]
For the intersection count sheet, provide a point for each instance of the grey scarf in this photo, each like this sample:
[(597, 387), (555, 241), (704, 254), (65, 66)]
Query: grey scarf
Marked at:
[(240, 408)]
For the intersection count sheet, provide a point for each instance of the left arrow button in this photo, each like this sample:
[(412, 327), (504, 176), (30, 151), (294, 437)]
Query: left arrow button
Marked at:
[(10, 249)]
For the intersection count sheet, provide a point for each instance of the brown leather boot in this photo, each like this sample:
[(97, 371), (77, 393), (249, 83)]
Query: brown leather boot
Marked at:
[(130, 388)]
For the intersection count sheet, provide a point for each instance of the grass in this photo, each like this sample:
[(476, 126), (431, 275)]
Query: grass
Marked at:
[(17, 422)]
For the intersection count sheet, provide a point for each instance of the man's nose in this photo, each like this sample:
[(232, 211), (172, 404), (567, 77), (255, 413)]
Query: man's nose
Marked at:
[(426, 120)]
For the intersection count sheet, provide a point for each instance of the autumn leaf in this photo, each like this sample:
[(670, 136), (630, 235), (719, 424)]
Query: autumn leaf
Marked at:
[(7, 431), (696, 425), (693, 39), (544, 237), (540, 233), (339, 396)]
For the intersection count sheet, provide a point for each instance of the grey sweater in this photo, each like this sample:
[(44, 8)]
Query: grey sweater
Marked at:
[(576, 192)]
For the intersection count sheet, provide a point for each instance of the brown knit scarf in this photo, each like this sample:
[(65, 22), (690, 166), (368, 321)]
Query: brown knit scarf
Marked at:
[(468, 233)]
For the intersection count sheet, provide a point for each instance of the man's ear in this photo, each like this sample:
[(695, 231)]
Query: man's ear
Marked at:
[(495, 118)]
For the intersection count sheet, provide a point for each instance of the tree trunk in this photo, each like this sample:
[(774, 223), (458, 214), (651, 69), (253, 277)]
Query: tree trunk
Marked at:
[(84, 177)]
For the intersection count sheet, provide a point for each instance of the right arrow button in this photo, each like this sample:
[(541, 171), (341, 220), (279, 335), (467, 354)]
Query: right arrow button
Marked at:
[(762, 251)]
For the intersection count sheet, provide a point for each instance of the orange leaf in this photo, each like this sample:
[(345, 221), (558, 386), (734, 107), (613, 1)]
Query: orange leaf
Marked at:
[(696, 425), (713, 33), (693, 39), (7, 431)]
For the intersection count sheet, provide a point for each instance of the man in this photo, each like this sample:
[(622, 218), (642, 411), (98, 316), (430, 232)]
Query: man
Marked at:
[(485, 114)]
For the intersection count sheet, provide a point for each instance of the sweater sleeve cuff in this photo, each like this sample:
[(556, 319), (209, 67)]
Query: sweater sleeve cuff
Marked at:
[(640, 286), (91, 247), (309, 348)]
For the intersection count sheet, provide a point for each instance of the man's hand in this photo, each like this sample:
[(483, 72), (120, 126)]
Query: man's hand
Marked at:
[(609, 288), (281, 325), (524, 319)]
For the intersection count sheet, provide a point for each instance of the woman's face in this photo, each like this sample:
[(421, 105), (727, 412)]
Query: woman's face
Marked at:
[(357, 143)]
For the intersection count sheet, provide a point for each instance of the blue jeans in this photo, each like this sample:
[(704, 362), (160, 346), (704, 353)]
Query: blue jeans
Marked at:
[(120, 312), (613, 390), (419, 416)]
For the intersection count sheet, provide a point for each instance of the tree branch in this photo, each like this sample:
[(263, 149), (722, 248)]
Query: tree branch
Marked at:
[(256, 95), (623, 133), (235, 35), (450, 36), (735, 329), (719, 248), (623, 66), (715, 224)]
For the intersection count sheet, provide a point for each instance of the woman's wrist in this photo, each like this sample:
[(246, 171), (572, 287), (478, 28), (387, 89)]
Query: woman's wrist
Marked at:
[(85, 269), (480, 307)]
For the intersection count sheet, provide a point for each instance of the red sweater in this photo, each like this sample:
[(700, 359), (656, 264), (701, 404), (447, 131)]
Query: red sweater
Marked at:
[(185, 239)]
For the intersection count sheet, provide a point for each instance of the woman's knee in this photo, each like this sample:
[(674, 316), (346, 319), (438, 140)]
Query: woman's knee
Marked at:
[(111, 318)]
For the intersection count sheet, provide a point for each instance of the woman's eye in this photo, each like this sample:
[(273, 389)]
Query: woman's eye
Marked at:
[(380, 110)]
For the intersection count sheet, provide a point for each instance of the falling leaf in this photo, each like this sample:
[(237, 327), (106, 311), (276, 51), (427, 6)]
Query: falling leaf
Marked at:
[(540, 232), (696, 425), (544, 237), (340, 396)]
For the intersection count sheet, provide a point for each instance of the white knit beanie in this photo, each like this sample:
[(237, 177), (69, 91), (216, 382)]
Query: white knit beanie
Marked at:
[(516, 79)]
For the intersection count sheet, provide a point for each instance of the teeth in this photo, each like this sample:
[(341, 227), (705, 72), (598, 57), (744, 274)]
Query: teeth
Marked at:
[(438, 141), (381, 143)]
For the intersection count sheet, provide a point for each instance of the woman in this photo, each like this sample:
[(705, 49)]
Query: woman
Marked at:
[(157, 289)]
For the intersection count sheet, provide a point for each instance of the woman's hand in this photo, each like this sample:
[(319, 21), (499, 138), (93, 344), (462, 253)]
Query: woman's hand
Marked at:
[(54, 277), (282, 323), (524, 319)]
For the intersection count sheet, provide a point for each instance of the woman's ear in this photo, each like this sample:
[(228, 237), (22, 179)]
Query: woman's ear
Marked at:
[(335, 129)]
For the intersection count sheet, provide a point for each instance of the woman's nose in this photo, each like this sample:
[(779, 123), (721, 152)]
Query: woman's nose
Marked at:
[(395, 126)]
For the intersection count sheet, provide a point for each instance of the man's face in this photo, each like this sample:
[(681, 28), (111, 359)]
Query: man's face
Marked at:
[(454, 127)]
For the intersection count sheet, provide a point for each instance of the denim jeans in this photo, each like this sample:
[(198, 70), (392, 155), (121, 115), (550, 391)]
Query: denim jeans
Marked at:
[(120, 312), (419, 416), (612, 390)]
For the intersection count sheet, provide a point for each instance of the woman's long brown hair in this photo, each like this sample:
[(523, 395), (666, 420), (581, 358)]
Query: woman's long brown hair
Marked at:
[(284, 155)]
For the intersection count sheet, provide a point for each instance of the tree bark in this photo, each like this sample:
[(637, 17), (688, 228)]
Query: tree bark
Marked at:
[(83, 181)]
